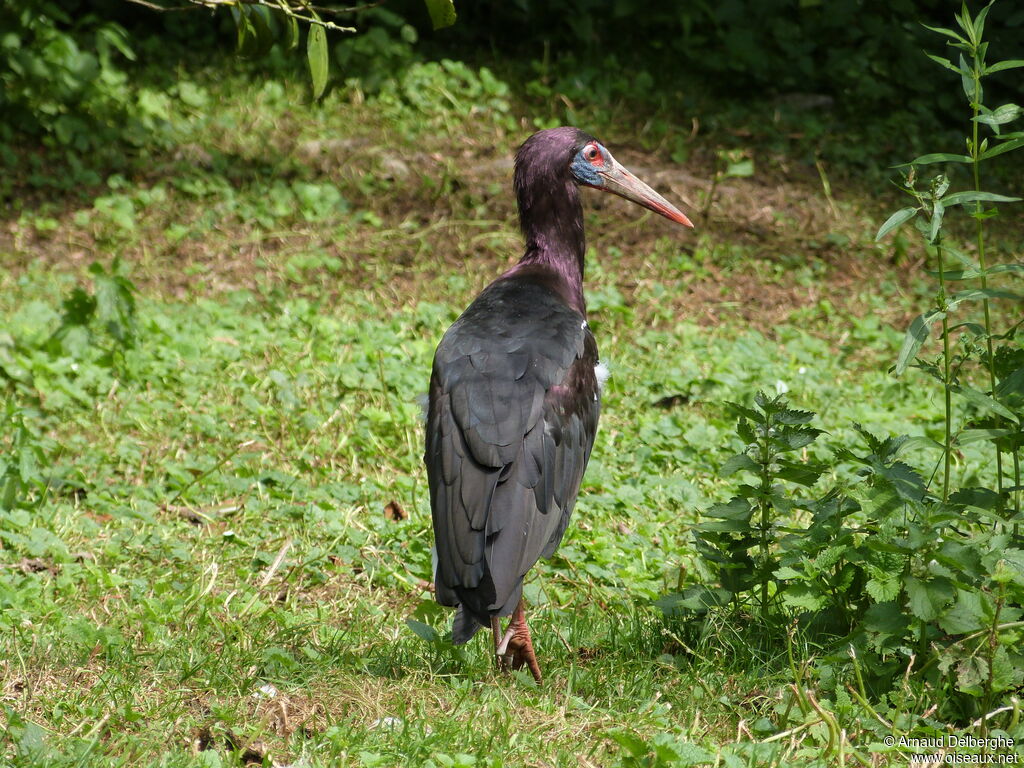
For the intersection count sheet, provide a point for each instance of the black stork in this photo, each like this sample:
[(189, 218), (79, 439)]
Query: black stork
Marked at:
[(515, 397)]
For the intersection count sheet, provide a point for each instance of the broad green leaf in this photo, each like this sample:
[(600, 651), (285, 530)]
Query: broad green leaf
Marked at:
[(1007, 113), (982, 294), (828, 558), (787, 573), (968, 436), (999, 66), (737, 508), (917, 334), (971, 673), (1008, 566), (898, 218), (983, 401), (790, 416), (423, 631), (872, 442), (682, 754), (959, 198), (968, 613), (723, 526), (698, 598), (744, 412), (981, 498), (738, 462), (1011, 388), (886, 619), (631, 742), (883, 590), (316, 53), (803, 597), (790, 439), (962, 558), (905, 480), (927, 599), (920, 441), (442, 13), (1007, 674), (803, 474)]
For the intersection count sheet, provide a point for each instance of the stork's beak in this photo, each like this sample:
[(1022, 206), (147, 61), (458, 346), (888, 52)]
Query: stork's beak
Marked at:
[(621, 182)]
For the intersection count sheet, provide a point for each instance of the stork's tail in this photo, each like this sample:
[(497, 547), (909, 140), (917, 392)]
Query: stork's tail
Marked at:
[(464, 626)]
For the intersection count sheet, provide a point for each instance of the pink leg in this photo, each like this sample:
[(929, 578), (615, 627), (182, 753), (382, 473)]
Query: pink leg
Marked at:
[(515, 650)]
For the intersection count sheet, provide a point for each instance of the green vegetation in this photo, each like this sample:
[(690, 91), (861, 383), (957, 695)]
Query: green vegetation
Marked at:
[(799, 533)]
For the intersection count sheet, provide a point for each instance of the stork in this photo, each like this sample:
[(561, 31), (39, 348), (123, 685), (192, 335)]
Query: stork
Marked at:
[(515, 394)]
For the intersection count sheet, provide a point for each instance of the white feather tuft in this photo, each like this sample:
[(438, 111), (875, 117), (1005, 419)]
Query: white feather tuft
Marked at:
[(602, 373)]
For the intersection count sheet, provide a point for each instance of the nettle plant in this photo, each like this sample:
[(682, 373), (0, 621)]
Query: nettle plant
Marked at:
[(996, 398), (972, 583), (916, 583)]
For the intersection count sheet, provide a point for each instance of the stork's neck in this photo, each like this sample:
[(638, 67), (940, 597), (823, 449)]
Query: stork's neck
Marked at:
[(551, 217)]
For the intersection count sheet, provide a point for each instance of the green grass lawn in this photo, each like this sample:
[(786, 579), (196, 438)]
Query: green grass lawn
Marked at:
[(221, 527)]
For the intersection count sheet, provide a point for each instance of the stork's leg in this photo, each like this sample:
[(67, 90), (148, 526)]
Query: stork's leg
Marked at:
[(516, 648)]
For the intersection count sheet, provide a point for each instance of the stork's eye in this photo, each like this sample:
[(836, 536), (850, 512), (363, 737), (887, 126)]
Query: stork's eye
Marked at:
[(593, 154)]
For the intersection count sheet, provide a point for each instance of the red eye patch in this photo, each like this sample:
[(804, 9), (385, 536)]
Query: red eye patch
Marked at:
[(593, 155)]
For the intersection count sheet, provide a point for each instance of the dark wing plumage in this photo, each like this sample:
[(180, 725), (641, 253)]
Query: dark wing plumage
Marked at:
[(513, 411)]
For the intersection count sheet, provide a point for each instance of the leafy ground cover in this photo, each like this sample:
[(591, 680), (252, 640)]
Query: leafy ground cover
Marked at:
[(215, 530)]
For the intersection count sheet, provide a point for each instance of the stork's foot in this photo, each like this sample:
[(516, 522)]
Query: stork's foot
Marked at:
[(515, 649)]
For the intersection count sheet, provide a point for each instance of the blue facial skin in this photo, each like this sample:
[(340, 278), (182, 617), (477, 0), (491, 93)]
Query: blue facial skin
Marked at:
[(584, 172)]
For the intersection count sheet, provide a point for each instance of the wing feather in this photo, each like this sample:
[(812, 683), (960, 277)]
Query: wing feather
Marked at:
[(511, 423)]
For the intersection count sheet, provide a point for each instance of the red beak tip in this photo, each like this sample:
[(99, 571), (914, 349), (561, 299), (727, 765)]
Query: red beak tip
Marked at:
[(674, 214)]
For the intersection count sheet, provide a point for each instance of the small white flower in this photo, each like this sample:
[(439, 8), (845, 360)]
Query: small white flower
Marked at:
[(781, 387), (265, 692)]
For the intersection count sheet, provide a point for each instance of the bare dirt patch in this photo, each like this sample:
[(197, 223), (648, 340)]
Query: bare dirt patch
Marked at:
[(419, 216)]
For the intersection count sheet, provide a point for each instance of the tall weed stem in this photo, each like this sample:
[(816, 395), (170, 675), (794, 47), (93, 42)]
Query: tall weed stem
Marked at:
[(766, 489), (990, 358), (947, 383)]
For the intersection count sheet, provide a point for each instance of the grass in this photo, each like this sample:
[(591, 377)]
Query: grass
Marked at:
[(230, 526)]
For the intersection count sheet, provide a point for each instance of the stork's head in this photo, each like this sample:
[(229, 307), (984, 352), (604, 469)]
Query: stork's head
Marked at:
[(570, 153)]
